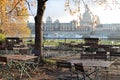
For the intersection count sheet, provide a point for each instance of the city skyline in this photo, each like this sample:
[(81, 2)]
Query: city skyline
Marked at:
[(55, 9)]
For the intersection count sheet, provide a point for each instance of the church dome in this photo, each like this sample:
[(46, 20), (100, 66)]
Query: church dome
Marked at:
[(87, 16), (49, 20), (57, 21)]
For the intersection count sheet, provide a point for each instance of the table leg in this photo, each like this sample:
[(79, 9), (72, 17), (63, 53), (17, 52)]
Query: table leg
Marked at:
[(23, 69)]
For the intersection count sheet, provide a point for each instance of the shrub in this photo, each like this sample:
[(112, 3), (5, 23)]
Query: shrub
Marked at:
[(2, 37)]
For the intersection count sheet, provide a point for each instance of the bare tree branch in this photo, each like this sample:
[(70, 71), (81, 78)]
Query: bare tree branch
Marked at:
[(13, 7), (28, 4)]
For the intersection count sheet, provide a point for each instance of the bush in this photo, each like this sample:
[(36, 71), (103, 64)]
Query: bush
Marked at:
[(2, 37)]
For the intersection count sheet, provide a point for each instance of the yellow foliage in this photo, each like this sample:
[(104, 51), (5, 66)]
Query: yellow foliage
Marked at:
[(13, 18)]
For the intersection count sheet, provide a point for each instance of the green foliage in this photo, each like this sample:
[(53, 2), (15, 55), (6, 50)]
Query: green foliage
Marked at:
[(2, 37), (50, 61), (56, 42)]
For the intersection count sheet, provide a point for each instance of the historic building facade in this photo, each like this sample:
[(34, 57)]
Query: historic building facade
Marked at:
[(57, 26), (86, 27)]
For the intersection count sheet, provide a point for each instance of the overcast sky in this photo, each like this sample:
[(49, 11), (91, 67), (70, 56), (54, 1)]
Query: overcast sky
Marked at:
[(55, 9)]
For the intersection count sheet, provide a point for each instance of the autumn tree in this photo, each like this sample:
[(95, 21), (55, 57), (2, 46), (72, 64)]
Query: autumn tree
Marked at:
[(3, 17), (13, 18)]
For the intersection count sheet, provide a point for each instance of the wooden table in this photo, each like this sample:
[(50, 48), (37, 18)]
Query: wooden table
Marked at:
[(20, 48), (20, 60), (91, 63), (94, 63), (19, 57)]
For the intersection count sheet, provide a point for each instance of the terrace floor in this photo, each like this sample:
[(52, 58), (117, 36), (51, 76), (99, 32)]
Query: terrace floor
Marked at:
[(50, 72)]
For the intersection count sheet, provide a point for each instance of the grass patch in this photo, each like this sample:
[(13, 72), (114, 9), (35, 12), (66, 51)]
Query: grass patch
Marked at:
[(51, 61)]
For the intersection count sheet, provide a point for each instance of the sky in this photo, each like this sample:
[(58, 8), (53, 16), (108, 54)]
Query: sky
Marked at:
[(55, 9)]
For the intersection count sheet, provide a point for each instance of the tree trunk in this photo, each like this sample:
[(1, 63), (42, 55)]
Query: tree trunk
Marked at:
[(38, 27)]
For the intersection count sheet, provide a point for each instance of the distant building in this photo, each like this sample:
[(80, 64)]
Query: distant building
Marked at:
[(107, 29), (87, 19), (89, 26), (57, 26)]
